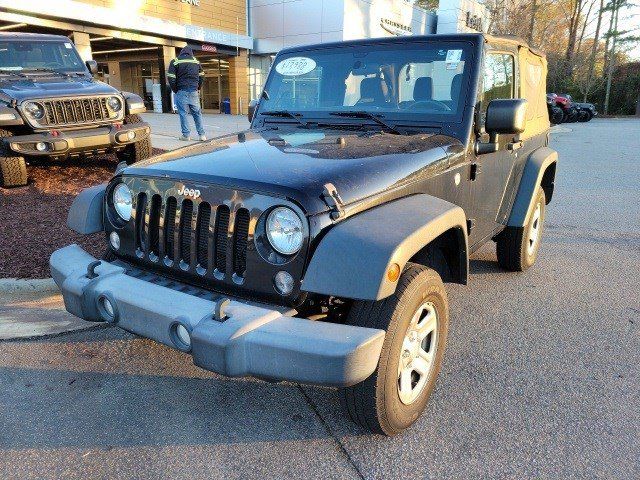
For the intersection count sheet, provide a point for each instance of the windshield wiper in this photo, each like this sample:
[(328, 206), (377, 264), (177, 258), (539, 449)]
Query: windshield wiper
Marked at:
[(9, 71), (285, 114), (369, 115), (47, 70)]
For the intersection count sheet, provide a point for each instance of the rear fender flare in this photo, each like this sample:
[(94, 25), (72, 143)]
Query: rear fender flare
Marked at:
[(353, 258), (536, 166)]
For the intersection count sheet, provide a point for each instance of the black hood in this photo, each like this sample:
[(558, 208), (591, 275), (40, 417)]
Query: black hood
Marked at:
[(297, 163), (45, 86)]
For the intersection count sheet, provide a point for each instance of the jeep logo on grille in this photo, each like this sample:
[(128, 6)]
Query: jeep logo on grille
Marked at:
[(189, 192)]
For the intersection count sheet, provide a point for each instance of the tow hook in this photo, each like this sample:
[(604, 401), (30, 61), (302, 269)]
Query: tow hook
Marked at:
[(91, 269)]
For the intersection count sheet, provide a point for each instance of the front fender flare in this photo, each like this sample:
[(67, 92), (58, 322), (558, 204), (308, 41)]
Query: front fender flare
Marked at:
[(86, 212), (134, 103), (534, 169), (352, 259)]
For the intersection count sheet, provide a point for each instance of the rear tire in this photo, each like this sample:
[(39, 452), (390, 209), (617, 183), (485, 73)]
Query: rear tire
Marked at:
[(13, 169), (517, 247), (137, 151), (416, 319)]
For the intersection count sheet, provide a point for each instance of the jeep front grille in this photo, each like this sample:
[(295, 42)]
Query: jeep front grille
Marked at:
[(214, 238), (181, 235), (77, 111)]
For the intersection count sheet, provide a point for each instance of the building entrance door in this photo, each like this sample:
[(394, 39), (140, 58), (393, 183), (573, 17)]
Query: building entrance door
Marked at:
[(215, 87)]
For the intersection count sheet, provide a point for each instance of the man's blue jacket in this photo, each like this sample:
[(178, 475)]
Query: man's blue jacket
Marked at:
[(185, 72)]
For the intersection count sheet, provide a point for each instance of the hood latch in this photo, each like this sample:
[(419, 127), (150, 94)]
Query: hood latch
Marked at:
[(332, 198)]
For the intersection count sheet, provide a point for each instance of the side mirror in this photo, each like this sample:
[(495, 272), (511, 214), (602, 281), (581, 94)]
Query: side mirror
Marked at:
[(503, 116), (92, 65), (253, 105)]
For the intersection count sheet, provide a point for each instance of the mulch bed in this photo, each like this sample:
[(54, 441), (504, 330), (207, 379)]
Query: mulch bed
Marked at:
[(33, 219)]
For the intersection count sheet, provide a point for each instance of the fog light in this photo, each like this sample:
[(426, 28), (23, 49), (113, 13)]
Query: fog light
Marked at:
[(108, 307), (131, 135), (114, 240), (283, 282), (181, 337), (41, 146)]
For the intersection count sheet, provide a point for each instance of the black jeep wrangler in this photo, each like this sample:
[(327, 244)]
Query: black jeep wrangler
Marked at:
[(52, 108), (314, 247)]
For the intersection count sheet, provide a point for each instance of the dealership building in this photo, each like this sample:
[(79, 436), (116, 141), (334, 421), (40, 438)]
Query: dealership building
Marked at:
[(133, 41)]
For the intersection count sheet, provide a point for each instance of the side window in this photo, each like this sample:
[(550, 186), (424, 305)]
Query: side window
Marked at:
[(498, 78)]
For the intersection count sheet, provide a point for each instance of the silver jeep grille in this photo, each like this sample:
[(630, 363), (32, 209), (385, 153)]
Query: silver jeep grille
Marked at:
[(76, 111)]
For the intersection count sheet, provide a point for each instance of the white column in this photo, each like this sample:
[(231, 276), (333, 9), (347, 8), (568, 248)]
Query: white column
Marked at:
[(81, 40)]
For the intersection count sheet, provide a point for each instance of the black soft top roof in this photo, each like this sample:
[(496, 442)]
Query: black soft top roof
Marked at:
[(472, 37)]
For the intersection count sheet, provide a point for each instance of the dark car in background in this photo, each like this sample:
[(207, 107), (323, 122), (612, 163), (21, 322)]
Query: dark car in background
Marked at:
[(563, 109), (586, 111), (51, 108)]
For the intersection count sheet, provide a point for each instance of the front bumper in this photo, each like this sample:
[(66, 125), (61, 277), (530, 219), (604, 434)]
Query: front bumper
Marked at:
[(254, 340), (69, 142)]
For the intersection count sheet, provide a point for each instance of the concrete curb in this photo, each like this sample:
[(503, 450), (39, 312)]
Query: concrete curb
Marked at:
[(17, 285), (34, 308)]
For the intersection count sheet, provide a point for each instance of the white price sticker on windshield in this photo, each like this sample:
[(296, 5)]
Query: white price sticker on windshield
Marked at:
[(454, 56), (68, 45), (295, 66)]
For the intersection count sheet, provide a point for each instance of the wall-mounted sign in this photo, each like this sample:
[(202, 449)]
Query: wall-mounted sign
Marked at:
[(395, 28), (208, 48), (474, 21), (195, 3)]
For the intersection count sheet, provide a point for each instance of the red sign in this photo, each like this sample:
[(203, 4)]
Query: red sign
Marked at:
[(209, 48)]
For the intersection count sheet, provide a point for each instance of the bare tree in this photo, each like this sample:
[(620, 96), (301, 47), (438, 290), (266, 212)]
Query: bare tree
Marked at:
[(574, 24), (594, 51), (613, 33)]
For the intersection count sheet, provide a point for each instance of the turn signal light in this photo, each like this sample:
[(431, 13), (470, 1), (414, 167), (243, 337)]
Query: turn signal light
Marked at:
[(393, 272)]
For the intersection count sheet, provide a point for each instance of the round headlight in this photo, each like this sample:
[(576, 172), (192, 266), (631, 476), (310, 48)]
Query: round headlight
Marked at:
[(284, 230), (114, 103), (122, 201), (34, 110)]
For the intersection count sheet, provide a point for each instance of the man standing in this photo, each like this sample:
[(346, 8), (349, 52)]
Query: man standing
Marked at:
[(185, 79)]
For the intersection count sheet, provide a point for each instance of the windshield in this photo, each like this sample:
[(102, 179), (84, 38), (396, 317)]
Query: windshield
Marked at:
[(419, 79), (20, 56)]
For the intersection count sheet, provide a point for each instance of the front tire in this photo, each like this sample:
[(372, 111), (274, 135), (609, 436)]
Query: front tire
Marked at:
[(137, 151), (416, 319), (585, 116), (557, 115), (517, 247), (13, 169)]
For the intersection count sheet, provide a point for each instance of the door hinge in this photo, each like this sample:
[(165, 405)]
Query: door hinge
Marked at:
[(332, 198), (471, 224), (475, 171)]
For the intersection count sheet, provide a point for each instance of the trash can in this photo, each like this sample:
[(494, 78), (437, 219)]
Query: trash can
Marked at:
[(226, 106)]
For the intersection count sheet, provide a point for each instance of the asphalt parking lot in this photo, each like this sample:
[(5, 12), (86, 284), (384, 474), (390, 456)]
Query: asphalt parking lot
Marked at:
[(540, 378)]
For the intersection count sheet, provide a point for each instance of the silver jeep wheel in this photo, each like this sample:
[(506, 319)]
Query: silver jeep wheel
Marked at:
[(417, 353), (534, 230)]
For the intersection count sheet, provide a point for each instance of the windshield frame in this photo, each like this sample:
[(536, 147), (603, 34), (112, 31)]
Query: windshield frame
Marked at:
[(396, 117), (81, 67)]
